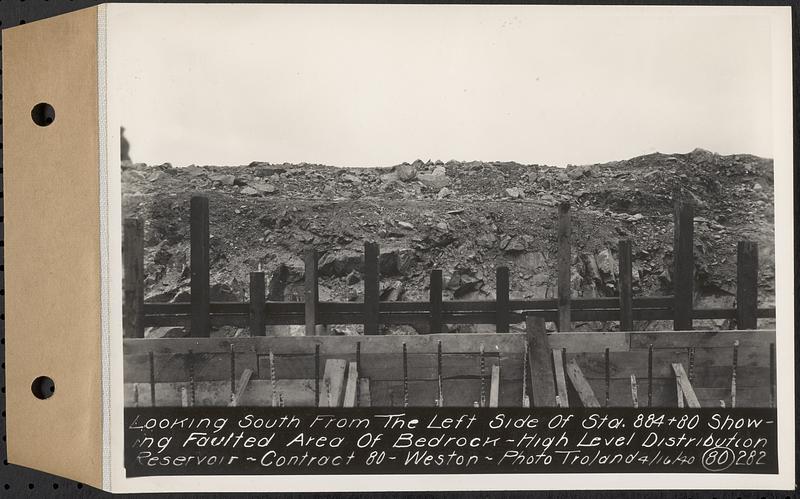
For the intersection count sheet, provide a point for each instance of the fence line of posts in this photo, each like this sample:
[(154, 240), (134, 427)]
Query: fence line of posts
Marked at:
[(201, 314)]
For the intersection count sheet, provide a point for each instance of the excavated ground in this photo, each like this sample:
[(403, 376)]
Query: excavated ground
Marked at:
[(463, 217)]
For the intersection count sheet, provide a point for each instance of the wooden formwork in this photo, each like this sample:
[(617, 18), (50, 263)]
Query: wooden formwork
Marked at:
[(459, 370)]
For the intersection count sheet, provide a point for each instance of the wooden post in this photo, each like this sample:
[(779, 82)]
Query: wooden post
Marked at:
[(772, 375), (564, 264), (625, 286), (650, 376), (683, 275), (436, 301), (747, 284), (608, 376), (201, 321), (133, 279), (371, 288), (543, 390), (311, 286), (502, 299), (258, 298)]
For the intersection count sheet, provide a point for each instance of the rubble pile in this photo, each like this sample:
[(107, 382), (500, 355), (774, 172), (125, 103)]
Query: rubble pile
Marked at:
[(466, 218)]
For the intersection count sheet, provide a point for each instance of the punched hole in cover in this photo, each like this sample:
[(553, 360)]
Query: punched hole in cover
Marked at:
[(43, 387), (43, 114)]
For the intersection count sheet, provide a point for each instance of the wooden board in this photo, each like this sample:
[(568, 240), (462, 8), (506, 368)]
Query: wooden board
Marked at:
[(685, 387), (364, 396), (541, 365), (581, 386), (561, 382), (494, 387), (295, 393), (590, 341), (458, 393), (351, 386), (698, 339), (745, 396), (389, 366), (241, 386), (451, 343), (333, 383), (173, 368)]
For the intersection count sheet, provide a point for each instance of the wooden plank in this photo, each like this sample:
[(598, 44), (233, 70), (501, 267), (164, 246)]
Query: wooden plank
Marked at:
[(663, 391), (458, 393), (591, 341), (371, 288), (133, 279), (539, 305), (364, 396), (258, 295), (683, 274), (543, 388), (387, 366), (746, 397), (712, 365), (351, 389), (698, 339), (177, 367), (747, 285), (243, 382), (625, 286), (502, 284), (564, 265), (494, 389), (386, 317), (333, 383), (451, 343), (199, 263), (560, 381), (436, 301), (258, 393), (311, 288), (685, 387), (581, 386), (634, 392)]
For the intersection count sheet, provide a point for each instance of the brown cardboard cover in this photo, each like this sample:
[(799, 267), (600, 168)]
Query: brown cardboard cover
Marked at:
[(52, 246)]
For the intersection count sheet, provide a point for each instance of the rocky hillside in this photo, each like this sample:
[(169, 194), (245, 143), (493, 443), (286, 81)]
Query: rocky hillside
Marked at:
[(463, 217)]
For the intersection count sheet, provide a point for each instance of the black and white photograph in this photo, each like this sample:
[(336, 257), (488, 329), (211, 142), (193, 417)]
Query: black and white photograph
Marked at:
[(444, 207)]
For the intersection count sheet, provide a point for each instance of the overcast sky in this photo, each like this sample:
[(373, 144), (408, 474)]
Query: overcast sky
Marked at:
[(379, 85)]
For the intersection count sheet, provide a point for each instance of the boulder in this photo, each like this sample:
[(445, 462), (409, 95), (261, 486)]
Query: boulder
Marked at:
[(577, 172), (392, 290), (439, 171), (443, 193), (530, 261), (263, 187), (515, 245), (340, 262), (514, 192), (434, 182), (607, 265), (406, 172)]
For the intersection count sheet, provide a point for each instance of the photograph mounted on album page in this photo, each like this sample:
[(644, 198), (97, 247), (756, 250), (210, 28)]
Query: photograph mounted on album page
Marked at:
[(451, 247)]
